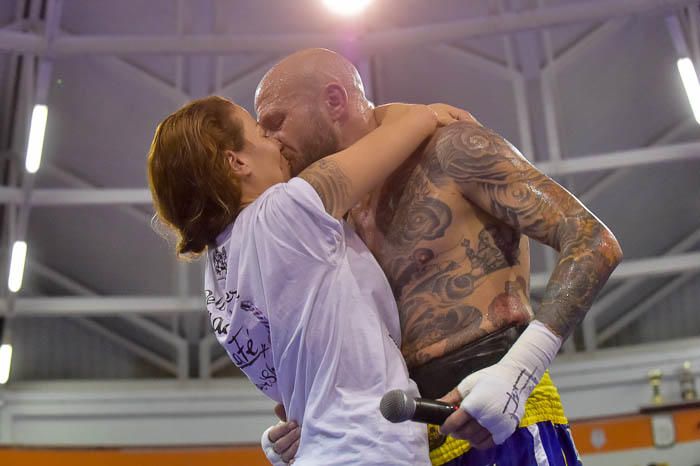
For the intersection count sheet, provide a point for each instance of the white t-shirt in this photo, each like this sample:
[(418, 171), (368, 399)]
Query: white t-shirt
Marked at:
[(302, 307)]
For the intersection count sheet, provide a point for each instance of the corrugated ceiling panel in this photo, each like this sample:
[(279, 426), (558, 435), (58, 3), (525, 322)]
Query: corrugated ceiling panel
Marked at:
[(60, 348)]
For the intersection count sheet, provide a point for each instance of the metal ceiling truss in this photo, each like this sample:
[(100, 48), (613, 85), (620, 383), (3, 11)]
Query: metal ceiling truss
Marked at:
[(53, 43), (368, 44), (178, 368), (58, 197), (115, 306)]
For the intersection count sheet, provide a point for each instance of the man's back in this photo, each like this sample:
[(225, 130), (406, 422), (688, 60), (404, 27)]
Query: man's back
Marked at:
[(457, 273)]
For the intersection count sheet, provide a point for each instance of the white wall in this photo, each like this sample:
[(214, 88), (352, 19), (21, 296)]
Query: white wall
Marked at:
[(686, 454), (615, 381), (230, 411), (133, 413)]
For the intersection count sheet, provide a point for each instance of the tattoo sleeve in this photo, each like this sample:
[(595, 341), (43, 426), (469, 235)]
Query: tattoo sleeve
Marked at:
[(331, 184), (492, 173)]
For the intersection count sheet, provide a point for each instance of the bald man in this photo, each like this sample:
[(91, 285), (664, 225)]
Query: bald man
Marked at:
[(450, 229)]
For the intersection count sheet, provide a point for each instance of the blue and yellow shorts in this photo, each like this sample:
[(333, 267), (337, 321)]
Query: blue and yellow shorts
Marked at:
[(543, 438)]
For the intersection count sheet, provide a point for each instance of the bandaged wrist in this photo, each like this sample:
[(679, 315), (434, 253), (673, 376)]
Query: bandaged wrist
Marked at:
[(269, 450), (496, 396), (534, 350)]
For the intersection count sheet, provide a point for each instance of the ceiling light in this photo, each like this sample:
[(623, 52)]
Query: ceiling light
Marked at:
[(36, 138), (19, 254), (347, 7), (692, 87), (5, 362)]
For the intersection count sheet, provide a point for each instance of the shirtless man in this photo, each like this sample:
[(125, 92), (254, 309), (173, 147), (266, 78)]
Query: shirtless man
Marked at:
[(450, 230)]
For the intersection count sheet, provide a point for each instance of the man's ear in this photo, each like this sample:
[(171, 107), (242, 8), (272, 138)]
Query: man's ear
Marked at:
[(336, 101), (239, 164)]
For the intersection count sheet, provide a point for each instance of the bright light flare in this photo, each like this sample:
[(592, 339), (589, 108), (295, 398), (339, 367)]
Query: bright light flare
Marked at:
[(691, 84), (36, 138), (347, 7), (19, 254), (5, 363)]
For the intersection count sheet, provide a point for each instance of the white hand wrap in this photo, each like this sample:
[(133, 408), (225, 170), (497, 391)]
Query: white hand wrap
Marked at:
[(495, 396), (268, 448)]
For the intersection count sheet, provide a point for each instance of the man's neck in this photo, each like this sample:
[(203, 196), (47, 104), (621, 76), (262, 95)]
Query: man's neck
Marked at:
[(357, 128)]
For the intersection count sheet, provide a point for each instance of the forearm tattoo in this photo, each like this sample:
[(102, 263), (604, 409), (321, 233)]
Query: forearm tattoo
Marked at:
[(494, 175), (331, 184)]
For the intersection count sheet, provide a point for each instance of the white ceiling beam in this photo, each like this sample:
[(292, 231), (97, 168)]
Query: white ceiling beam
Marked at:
[(71, 179), (179, 344), (613, 178), (591, 41), (463, 55), (220, 362), (9, 91), (129, 345), (365, 67), (139, 76), (609, 180), (93, 196), (132, 73), (34, 10), (590, 336), (522, 106), (628, 158), (139, 350), (586, 164), (651, 267), (11, 26), (180, 60), (369, 43), (694, 32), (606, 302), (648, 304), (21, 42), (548, 92), (226, 88), (156, 330), (36, 78), (67, 283), (204, 348), (128, 72), (104, 305), (200, 68), (119, 306), (10, 195)]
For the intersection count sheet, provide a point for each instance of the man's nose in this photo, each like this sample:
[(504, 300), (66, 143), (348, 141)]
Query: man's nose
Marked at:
[(272, 135)]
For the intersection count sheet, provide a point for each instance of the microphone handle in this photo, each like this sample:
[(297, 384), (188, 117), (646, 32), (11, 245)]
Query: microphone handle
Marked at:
[(432, 411)]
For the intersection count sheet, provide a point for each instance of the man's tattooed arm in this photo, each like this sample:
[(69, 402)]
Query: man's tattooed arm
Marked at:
[(494, 175), (331, 184)]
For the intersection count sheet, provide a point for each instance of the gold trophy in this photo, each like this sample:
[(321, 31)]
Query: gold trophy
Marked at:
[(655, 383), (687, 380)]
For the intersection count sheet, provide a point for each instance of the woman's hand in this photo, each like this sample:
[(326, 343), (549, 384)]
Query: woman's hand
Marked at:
[(448, 114), (390, 113), (445, 114)]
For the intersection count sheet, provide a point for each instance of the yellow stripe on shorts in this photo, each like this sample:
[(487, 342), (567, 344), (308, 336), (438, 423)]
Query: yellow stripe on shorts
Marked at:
[(543, 405)]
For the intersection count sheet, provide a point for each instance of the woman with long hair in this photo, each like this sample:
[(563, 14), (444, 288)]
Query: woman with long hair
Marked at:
[(294, 296)]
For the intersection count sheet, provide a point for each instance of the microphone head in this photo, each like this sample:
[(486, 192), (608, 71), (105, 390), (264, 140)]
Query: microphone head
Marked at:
[(397, 406)]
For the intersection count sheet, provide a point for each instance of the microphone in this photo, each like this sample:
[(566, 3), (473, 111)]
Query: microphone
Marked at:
[(397, 406)]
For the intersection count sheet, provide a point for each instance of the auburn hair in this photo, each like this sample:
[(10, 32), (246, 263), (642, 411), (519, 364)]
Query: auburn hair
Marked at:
[(194, 189)]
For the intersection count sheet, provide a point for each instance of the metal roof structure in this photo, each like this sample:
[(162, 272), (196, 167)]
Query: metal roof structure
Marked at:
[(587, 89)]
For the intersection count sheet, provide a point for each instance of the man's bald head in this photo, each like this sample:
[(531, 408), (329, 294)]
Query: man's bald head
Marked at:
[(307, 72), (313, 102)]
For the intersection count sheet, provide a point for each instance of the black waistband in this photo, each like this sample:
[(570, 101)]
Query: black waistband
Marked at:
[(440, 375)]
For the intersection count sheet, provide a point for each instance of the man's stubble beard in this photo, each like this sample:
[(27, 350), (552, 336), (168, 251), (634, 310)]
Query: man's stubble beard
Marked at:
[(322, 141)]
